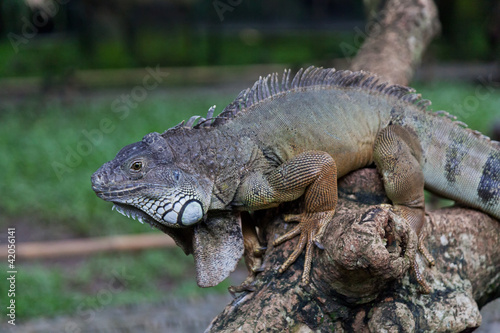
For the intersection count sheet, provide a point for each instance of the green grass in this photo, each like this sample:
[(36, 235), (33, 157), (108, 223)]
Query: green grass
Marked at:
[(477, 105), (85, 287)]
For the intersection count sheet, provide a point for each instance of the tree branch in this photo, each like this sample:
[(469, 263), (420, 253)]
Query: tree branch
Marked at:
[(360, 281), (397, 38)]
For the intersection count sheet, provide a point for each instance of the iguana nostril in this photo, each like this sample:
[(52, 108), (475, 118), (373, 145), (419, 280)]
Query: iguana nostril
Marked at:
[(96, 179), (100, 177)]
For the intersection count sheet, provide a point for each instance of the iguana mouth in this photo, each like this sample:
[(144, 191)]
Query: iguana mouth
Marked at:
[(152, 205), (134, 213), (110, 193), (182, 212), (137, 214)]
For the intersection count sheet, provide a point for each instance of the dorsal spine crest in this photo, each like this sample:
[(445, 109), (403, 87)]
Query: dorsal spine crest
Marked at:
[(311, 77)]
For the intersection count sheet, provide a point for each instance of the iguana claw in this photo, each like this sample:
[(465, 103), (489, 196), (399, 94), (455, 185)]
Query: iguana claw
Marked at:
[(253, 257), (310, 230), (425, 288)]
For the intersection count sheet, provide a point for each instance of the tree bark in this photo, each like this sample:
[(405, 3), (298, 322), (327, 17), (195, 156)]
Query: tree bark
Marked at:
[(397, 38), (361, 281)]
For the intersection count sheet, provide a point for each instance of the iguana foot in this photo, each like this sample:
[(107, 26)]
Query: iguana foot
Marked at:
[(310, 231), (421, 247), (395, 214), (253, 258), (398, 156), (246, 285), (425, 288)]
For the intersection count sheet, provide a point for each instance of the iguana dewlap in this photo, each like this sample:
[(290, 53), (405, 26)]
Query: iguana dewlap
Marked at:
[(281, 140)]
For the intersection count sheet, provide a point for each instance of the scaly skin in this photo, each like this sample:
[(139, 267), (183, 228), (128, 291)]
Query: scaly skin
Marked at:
[(279, 141)]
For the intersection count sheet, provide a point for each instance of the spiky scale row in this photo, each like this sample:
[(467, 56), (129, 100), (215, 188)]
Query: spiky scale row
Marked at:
[(270, 86)]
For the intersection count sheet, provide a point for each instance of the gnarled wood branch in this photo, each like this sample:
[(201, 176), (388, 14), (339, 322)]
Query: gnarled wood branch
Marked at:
[(360, 281)]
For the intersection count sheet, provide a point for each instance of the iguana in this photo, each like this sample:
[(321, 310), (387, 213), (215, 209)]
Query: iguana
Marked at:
[(279, 141)]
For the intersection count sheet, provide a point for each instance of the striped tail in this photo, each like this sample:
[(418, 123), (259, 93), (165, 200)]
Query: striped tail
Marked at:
[(461, 164)]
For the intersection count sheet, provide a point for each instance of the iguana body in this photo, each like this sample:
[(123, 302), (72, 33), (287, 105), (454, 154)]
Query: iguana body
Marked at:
[(279, 141)]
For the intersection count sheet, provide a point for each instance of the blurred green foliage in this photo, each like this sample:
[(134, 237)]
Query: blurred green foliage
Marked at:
[(84, 287), (192, 34), (62, 57)]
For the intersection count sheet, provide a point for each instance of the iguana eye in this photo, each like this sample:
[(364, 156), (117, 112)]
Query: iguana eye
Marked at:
[(136, 166), (176, 174)]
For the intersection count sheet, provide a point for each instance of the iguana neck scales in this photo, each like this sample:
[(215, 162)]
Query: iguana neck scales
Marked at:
[(280, 140)]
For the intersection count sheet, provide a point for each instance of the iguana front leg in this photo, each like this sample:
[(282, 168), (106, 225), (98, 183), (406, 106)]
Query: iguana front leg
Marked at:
[(397, 154), (311, 173)]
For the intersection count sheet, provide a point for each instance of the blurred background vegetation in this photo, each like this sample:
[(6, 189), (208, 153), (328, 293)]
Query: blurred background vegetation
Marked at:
[(55, 38), (65, 65)]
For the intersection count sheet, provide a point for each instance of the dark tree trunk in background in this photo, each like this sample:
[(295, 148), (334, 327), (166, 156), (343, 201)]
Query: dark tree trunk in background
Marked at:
[(360, 281), (398, 37)]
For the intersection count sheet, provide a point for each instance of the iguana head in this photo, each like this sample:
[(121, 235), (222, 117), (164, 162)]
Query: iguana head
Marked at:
[(147, 182)]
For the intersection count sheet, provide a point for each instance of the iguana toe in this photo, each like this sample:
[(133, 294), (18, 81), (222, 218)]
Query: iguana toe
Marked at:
[(310, 230)]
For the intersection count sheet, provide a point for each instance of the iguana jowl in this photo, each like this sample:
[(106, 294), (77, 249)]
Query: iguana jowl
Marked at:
[(279, 141)]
